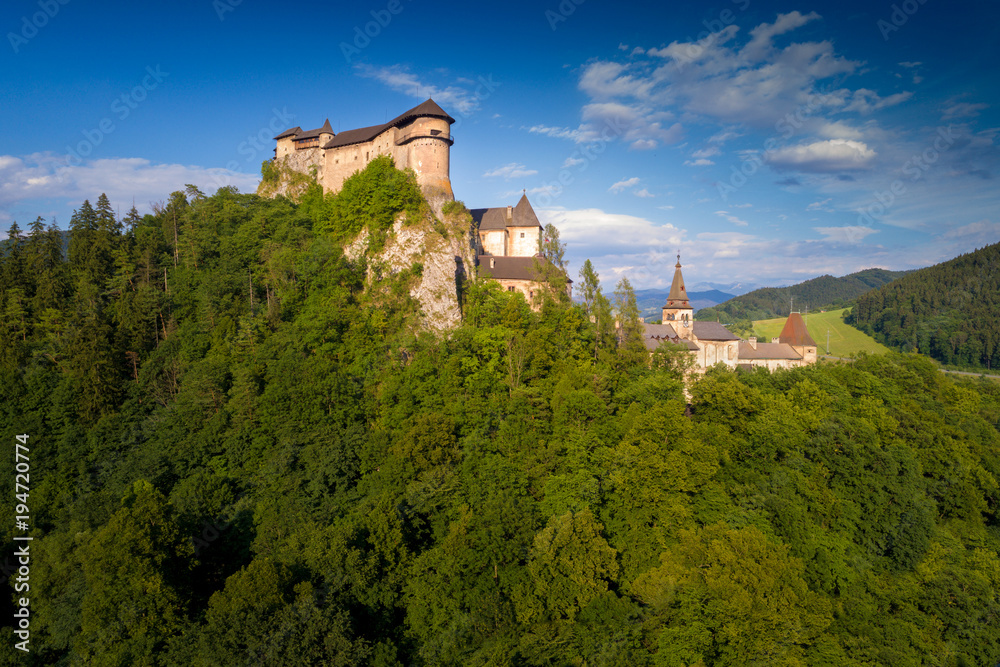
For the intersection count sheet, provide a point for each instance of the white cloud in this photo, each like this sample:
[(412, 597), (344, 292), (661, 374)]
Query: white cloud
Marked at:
[(849, 234), (963, 110), (595, 229), (511, 171), (866, 101), (666, 207), (820, 205), (824, 156), (48, 176), (572, 162), (732, 218), (702, 162), (838, 130), (579, 135), (706, 152), (644, 193), (399, 78), (624, 184)]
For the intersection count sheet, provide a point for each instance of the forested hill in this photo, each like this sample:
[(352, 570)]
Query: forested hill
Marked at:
[(950, 311), (240, 449), (770, 302)]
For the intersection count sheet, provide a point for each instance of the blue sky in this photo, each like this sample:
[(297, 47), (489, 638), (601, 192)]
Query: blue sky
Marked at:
[(768, 142)]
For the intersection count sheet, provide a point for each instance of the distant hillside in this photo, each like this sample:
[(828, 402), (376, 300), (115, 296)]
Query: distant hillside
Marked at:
[(770, 302), (651, 301), (950, 311)]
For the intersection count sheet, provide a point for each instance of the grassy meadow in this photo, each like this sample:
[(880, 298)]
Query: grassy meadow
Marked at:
[(845, 340)]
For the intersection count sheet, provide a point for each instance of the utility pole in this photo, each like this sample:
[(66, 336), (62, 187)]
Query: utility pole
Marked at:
[(828, 340)]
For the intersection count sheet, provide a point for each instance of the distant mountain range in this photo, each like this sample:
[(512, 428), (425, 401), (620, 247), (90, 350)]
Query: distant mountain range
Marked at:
[(651, 301), (769, 302)]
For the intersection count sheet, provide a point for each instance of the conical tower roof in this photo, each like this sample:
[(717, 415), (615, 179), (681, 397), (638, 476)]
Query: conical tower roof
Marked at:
[(678, 297)]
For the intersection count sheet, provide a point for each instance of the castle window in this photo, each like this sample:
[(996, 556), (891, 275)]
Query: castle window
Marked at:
[(522, 235)]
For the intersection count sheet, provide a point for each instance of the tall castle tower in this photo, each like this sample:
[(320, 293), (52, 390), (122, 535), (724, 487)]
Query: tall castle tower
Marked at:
[(418, 139), (678, 308)]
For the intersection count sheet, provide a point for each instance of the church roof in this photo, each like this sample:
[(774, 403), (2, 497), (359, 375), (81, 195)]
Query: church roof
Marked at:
[(522, 215), (794, 332), (768, 351), (712, 331), (511, 268), (654, 335), (678, 297)]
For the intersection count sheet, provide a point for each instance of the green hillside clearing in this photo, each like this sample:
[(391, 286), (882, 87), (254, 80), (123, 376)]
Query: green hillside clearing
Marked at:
[(845, 340)]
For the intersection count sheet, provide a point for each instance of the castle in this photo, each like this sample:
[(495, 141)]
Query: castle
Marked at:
[(418, 139), (710, 343), (505, 240)]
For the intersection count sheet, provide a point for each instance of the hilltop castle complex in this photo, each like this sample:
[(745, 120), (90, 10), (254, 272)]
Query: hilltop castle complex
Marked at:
[(505, 241)]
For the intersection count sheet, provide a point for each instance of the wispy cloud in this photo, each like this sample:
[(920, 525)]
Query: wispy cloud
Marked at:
[(623, 185), (401, 79), (725, 215), (511, 171)]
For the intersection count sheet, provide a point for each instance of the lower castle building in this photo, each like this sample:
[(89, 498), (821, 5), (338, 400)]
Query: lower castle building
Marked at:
[(507, 241), (710, 343)]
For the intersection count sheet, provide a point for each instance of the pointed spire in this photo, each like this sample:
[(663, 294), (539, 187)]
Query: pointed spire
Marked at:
[(678, 297), (326, 129)]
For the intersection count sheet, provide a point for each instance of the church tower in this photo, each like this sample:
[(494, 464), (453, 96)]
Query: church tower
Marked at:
[(678, 309)]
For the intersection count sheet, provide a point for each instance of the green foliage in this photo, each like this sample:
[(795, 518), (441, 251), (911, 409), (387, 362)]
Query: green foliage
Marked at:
[(372, 200), (243, 453), (950, 311)]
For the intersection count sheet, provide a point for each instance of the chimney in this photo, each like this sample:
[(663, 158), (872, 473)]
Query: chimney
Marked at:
[(510, 212), (775, 340), (752, 340)]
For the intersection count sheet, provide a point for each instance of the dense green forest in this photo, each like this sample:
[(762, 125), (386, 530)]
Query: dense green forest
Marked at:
[(245, 451), (770, 302), (950, 311)]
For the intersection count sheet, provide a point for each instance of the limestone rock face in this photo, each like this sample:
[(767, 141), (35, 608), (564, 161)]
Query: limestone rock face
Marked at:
[(442, 245), (294, 176)]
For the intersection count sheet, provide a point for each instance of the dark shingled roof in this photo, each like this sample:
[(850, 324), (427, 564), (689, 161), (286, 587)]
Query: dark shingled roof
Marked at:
[(364, 134), (713, 331), (288, 132), (522, 215), (312, 134), (654, 335), (794, 332), (489, 218), (768, 351), (510, 268)]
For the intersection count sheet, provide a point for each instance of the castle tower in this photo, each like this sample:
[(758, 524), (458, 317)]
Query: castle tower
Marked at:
[(678, 308)]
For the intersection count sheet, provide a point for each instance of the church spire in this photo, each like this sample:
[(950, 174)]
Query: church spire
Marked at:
[(678, 308), (678, 297)]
